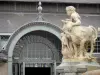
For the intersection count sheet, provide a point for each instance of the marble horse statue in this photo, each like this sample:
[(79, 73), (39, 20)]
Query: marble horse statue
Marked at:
[(76, 38)]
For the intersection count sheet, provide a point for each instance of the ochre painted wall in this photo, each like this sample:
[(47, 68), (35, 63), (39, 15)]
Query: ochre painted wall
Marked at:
[(3, 69)]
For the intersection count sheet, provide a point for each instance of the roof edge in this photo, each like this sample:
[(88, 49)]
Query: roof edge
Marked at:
[(61, 1)]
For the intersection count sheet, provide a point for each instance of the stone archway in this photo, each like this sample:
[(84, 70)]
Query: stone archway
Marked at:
[(33, 26)]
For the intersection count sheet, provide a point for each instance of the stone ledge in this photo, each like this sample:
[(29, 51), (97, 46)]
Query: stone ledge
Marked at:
[(77, 67)]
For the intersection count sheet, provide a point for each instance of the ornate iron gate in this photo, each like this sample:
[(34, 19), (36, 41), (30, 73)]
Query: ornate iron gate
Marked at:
[(19, 68), (38, 48)]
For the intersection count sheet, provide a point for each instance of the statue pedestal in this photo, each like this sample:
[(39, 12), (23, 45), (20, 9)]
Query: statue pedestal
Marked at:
[(76, 68), (89, 65)]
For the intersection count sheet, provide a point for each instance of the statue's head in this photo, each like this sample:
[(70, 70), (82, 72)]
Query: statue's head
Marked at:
[(70, 10)]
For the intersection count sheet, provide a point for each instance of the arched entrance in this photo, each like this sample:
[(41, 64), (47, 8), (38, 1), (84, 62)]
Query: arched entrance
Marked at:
[(36, 44), (37, 49)]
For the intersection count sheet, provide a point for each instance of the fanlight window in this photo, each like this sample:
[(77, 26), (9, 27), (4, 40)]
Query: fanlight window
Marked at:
[(38, 46)]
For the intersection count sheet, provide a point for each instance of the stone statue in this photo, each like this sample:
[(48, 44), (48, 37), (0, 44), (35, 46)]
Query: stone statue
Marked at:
[(75, 42), (76, 38)]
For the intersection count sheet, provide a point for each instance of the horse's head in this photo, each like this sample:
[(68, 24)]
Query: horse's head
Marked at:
[(67, 24), (67, 21)]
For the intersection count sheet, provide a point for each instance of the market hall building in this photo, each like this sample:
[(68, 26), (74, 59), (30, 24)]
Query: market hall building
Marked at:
[(30, 40)]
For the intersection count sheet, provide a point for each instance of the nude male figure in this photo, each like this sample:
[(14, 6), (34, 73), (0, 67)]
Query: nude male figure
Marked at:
[(76, 21), (73, 16)]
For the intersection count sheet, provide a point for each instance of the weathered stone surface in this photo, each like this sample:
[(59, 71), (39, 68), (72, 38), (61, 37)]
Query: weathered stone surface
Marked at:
[(93, 72), (74, 68), (89, 66), (70, 67)]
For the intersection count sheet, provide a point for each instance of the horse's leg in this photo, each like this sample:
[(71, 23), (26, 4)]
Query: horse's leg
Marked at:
[(82, 44), (92, 48), (75, 50), (86, 49)]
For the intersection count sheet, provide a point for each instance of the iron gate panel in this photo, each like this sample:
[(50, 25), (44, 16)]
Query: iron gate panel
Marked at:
[(38, 48), (38, 45)]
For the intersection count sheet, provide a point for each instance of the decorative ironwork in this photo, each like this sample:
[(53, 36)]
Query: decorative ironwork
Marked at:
[(30, 24), (36, 49), (97, 46), (40, 12), (40, 46)]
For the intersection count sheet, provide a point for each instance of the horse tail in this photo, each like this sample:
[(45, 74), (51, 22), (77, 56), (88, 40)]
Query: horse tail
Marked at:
[(94, 37), (94, 32)]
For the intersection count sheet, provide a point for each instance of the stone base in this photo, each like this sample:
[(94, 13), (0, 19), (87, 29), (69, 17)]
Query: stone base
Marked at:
[(76, 68), (70, 73), (70, 67), (89, 65)]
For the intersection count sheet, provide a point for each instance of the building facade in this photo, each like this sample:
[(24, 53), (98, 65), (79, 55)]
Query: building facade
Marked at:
[(30, 33)]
